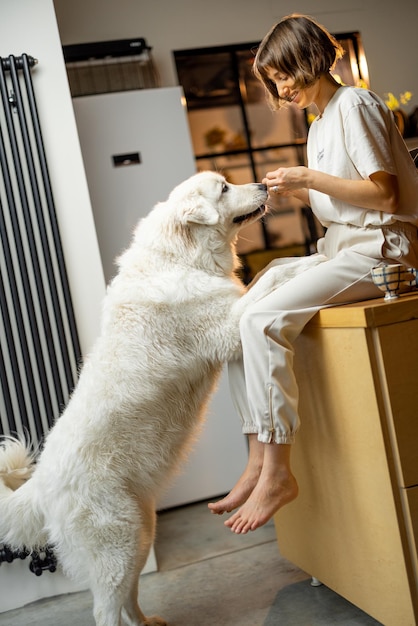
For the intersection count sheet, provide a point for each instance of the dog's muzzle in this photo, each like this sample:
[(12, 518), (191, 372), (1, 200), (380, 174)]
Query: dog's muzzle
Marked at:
[(250, 216)]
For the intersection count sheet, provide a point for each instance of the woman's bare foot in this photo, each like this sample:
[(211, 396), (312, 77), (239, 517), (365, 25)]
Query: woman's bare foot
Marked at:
[(247, 481), (237, 496), (263, 503), (276, 487)]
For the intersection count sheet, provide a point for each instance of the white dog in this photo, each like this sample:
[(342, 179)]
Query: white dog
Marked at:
[(170, 321)]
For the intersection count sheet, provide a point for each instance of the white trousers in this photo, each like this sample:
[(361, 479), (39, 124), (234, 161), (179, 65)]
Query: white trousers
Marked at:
[(263, 384)]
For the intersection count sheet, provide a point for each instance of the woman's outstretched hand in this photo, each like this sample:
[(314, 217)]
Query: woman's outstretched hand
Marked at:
[(287, 181)]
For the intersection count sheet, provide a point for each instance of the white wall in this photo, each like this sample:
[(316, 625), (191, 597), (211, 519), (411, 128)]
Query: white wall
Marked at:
[(29, 26), (388, 28)]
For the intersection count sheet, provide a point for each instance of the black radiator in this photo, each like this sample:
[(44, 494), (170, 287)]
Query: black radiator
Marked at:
[(39, 346)]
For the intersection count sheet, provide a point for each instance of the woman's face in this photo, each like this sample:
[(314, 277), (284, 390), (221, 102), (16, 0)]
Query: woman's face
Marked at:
[(286, 89)]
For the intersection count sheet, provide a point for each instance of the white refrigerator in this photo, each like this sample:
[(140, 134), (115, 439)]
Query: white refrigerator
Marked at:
[(136, 147)]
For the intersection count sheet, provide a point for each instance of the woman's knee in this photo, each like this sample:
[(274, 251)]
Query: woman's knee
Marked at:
[(255, 321)]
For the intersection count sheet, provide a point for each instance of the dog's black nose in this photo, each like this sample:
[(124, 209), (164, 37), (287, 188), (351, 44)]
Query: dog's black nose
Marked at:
[(262, 186)]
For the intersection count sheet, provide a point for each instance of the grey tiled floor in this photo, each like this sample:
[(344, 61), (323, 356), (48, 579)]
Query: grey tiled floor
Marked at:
[(210, 577)]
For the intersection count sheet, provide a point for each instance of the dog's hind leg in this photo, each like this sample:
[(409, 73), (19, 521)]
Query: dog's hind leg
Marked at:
[(146, 535), (107, 607), (114, 594), (112, 569)]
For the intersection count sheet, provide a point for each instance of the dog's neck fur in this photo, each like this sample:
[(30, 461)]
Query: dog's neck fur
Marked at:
[(218, 256)]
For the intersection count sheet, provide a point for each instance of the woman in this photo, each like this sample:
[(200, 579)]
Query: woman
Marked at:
[(363, 187)]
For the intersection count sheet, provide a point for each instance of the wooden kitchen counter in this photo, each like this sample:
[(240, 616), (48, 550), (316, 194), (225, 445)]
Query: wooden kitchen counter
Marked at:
[(354, 525)]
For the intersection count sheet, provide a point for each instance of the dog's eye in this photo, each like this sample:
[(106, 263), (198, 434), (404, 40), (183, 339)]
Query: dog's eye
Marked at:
[(225, 188)]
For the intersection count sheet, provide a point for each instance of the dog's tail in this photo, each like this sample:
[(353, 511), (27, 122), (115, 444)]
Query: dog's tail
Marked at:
[(21, 523)]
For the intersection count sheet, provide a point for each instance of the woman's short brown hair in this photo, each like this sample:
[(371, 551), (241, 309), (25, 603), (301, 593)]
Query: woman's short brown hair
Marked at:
[(300, 48)]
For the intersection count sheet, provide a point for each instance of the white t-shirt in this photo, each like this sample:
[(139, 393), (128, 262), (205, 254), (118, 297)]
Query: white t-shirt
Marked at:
[(355, 137)]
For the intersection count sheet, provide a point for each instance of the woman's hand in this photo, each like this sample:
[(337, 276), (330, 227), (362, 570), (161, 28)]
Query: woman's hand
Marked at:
[(287, 181)]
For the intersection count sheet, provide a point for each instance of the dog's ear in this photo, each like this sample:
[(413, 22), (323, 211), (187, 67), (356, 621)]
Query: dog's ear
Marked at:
[(198, 210)]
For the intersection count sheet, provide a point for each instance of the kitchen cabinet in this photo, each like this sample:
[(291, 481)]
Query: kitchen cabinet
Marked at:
[(354, 525)]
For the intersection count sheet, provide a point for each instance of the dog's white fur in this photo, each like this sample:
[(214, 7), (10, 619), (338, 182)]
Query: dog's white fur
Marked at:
[(170, 321)]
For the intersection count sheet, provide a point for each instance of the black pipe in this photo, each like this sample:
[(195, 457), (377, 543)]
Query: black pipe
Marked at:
[(40, 351), (17, 103), (21, 330), (26, 61)]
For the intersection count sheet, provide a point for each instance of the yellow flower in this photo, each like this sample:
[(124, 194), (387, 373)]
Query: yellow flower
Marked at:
[(391, 101), (405, 97), (394, 103)]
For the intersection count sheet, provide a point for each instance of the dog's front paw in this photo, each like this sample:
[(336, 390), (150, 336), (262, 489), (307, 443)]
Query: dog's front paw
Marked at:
[(263, 285), (280, 271)]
